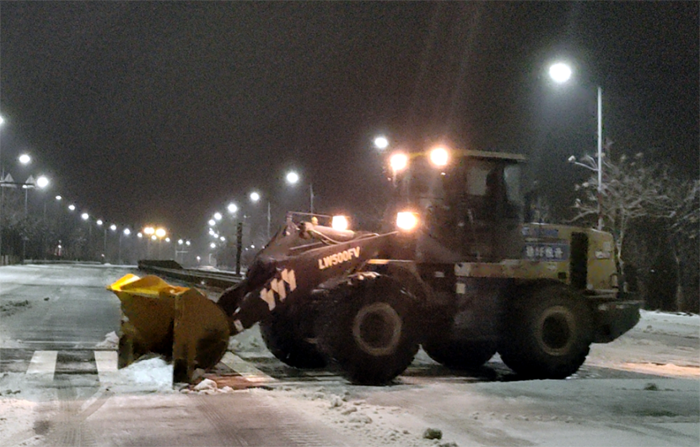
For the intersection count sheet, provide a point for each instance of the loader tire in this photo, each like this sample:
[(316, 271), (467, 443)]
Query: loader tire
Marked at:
[(284, 336), (369, 329), (549, 334), (460, 354)]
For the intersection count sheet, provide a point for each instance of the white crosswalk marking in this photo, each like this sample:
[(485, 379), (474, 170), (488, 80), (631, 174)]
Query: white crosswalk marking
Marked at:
[(106, 362), (43, 365), (245, 369)]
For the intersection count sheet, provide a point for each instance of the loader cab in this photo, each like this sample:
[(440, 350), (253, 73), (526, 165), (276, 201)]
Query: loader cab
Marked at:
[(470, 205)]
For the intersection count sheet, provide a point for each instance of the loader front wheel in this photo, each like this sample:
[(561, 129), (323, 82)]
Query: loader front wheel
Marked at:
[(287, 339), (549, 334), (460, 354), (369, 329)]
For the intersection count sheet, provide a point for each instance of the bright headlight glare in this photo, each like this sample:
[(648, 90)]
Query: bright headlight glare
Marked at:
[(406, 220), (340, 223), (398, 161), (439, 156)]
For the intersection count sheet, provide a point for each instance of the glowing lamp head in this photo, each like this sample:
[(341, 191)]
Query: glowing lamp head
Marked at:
[(560, 72), (340, 223), (398, 162), (439, 156), (407, 220)]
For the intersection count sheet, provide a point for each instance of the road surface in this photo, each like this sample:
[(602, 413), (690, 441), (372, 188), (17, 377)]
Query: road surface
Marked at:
[(59, 386)]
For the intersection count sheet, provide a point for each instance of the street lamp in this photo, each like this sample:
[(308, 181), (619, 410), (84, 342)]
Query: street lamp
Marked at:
[(560, 73), (381, 142), (99, 223), (126, 233), (255, 198), (293, 178)]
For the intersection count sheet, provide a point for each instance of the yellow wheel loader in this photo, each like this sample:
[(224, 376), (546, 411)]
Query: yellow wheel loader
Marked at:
[(456, 270)]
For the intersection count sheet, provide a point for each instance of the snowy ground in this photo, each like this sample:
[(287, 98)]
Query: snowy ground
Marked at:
[(424, 412)]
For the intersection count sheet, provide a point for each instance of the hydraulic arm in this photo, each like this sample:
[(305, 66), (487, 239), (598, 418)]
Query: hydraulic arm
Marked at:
[(183, 324)]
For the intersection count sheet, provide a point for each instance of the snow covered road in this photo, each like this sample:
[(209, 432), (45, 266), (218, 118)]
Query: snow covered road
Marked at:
[(640, 390)]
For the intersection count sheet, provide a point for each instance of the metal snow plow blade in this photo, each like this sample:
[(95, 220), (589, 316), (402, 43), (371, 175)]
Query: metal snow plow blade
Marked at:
[(179, 323)]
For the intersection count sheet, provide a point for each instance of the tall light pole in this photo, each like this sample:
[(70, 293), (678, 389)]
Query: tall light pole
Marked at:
[(255, 197), (293, 178), (560, 73), (126, 233)]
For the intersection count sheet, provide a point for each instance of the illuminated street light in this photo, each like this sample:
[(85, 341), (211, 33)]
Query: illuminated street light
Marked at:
[(71, 207), (25, 159), (292, 178), (160, 233), (59, 198), (218, 216), (113, 227), (254, 196), (381, 142), (42, 182), (211, 222), (85, 216), (560, 73), (232, 208)]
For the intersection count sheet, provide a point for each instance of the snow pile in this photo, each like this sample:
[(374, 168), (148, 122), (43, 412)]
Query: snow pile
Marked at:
[(111, 341), (680, 325), (148, 375), (661, 343), (248, 341), (208, 387)]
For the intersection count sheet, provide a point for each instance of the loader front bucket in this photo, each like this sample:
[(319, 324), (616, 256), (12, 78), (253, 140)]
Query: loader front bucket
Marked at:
[(180, 323)]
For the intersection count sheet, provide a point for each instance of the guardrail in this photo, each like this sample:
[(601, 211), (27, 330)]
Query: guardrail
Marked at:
[(172, 269)]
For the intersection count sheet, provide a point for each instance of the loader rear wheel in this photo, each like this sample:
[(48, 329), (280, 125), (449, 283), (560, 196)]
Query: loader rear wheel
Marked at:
[(550, 334), (288, 338), (460, 354), (369, 330)]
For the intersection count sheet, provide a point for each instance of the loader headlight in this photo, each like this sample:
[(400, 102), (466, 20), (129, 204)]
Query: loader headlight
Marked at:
[(340, 223), (407, 220), (398, 162), (439, 156)]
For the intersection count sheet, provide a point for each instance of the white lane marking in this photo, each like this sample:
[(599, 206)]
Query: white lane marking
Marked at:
[(43, 364), (245, 369), (106, 362)]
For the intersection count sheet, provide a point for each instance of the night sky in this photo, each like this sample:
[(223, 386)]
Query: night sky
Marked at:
[(163, 112)]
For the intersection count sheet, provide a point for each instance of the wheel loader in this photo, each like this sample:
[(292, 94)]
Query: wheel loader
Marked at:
[(455, 269)]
